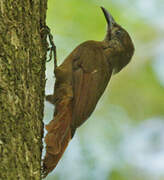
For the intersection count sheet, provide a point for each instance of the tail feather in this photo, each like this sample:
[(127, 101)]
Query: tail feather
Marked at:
[(58, 136), (52, 160)]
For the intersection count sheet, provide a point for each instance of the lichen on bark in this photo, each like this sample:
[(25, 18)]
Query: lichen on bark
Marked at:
[(23, 49)]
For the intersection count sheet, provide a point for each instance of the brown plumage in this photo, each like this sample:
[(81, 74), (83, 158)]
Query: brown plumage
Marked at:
[(80, 81)]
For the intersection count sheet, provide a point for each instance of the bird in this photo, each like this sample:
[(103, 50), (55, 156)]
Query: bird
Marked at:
[(80, 82)]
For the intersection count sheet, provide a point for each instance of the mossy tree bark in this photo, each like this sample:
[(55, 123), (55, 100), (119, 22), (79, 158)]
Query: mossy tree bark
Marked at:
[(23, 50)]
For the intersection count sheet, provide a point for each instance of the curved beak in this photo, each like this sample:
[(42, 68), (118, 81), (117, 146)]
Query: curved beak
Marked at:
[(110, 22)]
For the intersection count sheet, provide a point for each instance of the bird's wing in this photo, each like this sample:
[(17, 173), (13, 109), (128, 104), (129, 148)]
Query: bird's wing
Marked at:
[(90, 78)]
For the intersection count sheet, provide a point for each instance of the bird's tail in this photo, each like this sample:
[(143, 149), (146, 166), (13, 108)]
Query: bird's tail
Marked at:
[(58, 136)]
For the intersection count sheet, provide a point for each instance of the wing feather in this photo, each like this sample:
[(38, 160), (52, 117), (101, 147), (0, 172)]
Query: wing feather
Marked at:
[(88, 86)]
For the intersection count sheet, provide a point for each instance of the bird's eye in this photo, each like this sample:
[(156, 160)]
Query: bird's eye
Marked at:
[(117, 33)]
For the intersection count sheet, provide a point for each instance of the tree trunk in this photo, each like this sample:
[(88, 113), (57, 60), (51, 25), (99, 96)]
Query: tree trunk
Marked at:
[(23, 48)]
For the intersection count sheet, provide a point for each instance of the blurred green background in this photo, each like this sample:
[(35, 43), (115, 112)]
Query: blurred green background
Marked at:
[(124, 137)]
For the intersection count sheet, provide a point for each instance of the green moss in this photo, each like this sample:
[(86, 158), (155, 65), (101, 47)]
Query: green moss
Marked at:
[(22, 83)]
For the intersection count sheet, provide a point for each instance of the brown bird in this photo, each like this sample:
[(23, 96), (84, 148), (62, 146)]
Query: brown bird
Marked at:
[(80, 81)]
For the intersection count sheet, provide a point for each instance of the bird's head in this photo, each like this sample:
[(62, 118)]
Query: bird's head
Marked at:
[(118, 43)]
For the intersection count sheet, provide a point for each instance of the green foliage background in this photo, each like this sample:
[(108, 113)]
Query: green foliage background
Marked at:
[(127, 124)]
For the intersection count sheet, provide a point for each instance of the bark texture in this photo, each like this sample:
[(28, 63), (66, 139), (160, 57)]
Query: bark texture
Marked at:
[(23, 50)]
